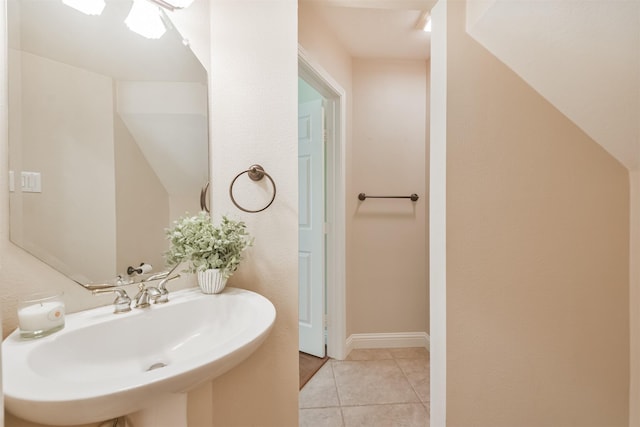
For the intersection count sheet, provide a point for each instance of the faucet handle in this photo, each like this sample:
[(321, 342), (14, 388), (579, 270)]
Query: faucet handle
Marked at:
[(164, 292), (121, 304), (142, 297), (146, 295)]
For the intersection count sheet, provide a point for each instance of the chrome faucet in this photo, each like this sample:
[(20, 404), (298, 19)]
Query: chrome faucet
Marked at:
[(158, 276), (145, 295), (155, 295), (121, 304), (164, 292)]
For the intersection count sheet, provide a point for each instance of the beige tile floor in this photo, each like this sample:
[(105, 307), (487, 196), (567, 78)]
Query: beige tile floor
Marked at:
[(371, 388)]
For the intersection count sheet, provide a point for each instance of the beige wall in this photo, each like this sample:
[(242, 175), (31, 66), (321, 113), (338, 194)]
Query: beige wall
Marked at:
[(388, 286), (634, 301), (537, 256), (66, 134), (316, 38), (253, 116), (138, 187)]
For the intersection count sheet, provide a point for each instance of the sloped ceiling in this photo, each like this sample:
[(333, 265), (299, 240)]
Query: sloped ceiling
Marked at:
[(169, 123), (581, 55), (102, 44)]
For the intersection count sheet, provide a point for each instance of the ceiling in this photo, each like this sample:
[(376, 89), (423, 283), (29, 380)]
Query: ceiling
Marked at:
[(581, 55), (377, 28), (102, 44)]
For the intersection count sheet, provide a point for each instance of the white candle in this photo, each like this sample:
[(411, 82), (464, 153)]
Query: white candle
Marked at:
[(41, 316)]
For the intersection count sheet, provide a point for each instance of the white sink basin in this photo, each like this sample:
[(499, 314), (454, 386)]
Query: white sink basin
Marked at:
[(104, 365)]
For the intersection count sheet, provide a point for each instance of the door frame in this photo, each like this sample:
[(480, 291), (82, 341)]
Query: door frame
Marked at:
[(335, 178)]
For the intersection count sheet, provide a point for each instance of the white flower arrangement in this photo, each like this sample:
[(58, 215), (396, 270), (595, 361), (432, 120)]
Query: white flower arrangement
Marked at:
[(197, 241)]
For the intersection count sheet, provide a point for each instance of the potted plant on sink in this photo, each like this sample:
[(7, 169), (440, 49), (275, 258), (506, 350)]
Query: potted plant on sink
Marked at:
[(211, 251)]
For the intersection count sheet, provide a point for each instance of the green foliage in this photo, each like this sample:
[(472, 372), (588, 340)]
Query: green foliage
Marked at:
[(203, 245)]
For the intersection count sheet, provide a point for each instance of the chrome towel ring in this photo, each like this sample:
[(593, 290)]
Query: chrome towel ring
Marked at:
[(203, 198), (255, 173)]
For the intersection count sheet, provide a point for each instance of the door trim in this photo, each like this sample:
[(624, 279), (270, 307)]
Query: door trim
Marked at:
[(321, 80)]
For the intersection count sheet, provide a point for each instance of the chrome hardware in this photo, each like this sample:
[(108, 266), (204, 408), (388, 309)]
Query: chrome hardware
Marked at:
[(164, 292), (121, 304), (203, 198), (161, 275), (255, 173), (145, 295), (414, 197), (157, 276), (121, 282)]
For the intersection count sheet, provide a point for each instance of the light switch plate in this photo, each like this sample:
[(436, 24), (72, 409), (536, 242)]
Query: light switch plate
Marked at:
[(31, 182)]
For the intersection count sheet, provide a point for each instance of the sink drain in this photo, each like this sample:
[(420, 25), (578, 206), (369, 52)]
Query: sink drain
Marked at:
[(156, 365)]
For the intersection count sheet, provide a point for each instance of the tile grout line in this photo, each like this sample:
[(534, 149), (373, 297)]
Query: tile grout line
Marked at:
[(423, 403), (335, 385), (409, 381)]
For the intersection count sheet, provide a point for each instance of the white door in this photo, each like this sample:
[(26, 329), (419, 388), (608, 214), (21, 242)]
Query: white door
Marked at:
[(311, 221)]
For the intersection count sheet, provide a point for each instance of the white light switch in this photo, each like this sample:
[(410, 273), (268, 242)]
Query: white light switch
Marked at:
[(31, 182)]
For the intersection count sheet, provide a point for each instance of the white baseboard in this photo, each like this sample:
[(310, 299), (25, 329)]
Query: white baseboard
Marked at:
[(388, 340)]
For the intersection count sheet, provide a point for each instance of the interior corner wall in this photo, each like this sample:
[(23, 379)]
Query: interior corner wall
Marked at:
[(537, 255), (253, 119), (68, 135), (389, 283), (325, 49), (137, 185), (438, 215), (634, 301), (427, 196)]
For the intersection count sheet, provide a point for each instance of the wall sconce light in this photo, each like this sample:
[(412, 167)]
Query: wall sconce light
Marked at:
[(88, 7)]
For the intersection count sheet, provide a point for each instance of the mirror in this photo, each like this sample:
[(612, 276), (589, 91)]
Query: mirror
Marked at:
[(108, 138)]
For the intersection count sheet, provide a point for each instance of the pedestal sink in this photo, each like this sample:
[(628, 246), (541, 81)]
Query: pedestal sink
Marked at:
[(104, 365)]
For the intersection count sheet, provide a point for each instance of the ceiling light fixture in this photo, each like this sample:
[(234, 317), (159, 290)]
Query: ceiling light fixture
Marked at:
[(173, 4), (424, 23), (427, 26), (145, 19), (88, 7)]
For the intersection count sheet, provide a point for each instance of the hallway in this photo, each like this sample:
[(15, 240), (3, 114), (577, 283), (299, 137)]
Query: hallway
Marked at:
[(372, 387)]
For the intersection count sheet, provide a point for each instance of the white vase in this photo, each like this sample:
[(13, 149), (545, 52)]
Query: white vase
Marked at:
[(211, 281)]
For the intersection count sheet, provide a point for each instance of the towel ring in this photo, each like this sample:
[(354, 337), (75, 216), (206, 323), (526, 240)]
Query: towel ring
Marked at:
[(255, 173), (203, 198)]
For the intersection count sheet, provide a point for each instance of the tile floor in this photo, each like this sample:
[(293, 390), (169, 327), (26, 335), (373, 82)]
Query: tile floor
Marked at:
[(371, 388)]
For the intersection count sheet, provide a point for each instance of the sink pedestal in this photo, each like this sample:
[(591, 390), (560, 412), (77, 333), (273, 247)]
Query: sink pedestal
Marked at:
[(169, 410)]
